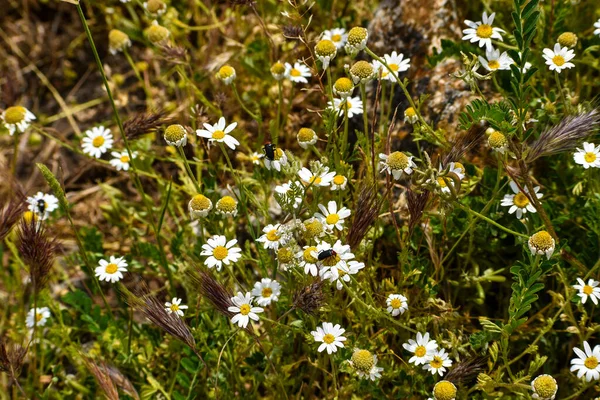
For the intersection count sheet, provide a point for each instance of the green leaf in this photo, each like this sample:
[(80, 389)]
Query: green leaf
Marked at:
[(78, 300), (189, 365)]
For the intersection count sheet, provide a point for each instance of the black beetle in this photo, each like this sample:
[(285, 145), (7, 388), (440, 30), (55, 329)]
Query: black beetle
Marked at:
[(41, 205), (326, 254), (269, 149)]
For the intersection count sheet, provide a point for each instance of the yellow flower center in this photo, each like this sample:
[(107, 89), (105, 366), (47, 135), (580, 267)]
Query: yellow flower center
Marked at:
[(363, 360), (348, 105), (39, 316), (520, 200), (331, 261), (124, 159), (308, 256), (200, 202), (329, 338), (357, 35), (117, 39), (98, 141), (590, 157), (278, 154), (362, 70), (154, 6), (174, 133), (587, 289), (394, 67), (111, 268), (484, 31), (174, 308), (306, 135), (338, 180), (157, 33), (295, 72), (343, 85), (272, 235), (437, 362), (315, 180), (332, 219), (442, 181), (245, 309), (558, 60), (227, 204), (459, 167), (591, 362), (285, 255), (336, 38), (493, 64), (220, 252), (278, 68), (497, 140), (325, 48), (541, 240), (396, 303), (14, 115), (218, 135), (420, 351), (410, 112), (568, 39), (545, 386), (29, 216), (267, 292), (226, 71), (397, 160), (444, 390)]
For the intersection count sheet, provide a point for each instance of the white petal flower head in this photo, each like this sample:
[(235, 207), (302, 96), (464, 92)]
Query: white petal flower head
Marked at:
[(121, 160), (266, 291), (331, 217), (220, 251), (337, 35), (365, 364), (588, 156), (519, 201), (244, 312), (544, 387), (541, 243), (226, 74), (297, 73), (199, 206), (356, 40), (112, 270), (396, 304), (219, 133), (325, 51), (457, 169), (339, 182), (175, 135), (410, 116), (308, 260), (273, 237), (559, 58), (438, 362), (39, 316), (17, 119), (323, 178), (338, 256), (351, 105), (422, 348), (255, 158), (597, 26), (97, 141), (396, 164), (42, 204), (331, 337), (589, 289), (341, 272), (306, 137), (494, 61), (227, 206), (482, 31), (279, 160), (396, 62), (587, 362), (175, 306)]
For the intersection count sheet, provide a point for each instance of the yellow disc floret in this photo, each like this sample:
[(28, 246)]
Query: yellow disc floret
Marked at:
[(357, 36), (306, 135), (545, 386), (541, 241), (343, 85), (118, 40), (497, 140), (226, 204), (157, 34), (14, 115), (285, 255), (174, 133), (568, 39), (200, 203), (397, 160), (363, 360), (361, 71), (444, 390), (325, 48)]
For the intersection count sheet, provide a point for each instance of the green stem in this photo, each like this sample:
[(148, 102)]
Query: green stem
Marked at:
[(15, 155), (497, 225), (563, 97), (275, 135), (239, 99), (188, 169)]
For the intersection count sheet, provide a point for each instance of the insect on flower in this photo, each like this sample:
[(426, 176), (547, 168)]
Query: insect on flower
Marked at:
[(325, 254)]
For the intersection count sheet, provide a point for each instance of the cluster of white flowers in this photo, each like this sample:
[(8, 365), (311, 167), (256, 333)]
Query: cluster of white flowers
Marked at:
[(98, 141), (426, 352)]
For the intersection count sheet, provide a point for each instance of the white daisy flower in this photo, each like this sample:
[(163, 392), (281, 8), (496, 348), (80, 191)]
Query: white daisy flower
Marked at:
[(322, 179), (330, 335), (339, 182), (273, 237), (482, 31), (365, 364), (597, 25), (325, 51), (422, 348), (588, 290), (495, 61), (589, 156), (255, 158), (341, 272), (306, 137), (396, 304), (286, 188), (544, 387), (519, 201), (356, 40), (38, 315), (331, 217), (587, 363), (17, 119), (199, 206), (112, 270), (456, 168), (219, 133), (396, 163), (97, 141), (410, 115), (175, 306), (266, 291), (42, 204), (121, 161), (309, 259), (298, 73), (337, 35), (541, 243), (353, 106), (220, 251), (244, 310), (396, 62), (331, 266), (279, 160), (558, 59), (438, 362), (175, 135)]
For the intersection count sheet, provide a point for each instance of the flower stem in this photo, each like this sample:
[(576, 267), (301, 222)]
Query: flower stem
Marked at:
[(188, 169), (497, 225)]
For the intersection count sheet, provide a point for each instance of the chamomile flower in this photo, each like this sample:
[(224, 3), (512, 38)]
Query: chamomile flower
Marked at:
[(226, 74), (351, 106), (17, 119), (244, 312), (155, 7), (341, 272), (121, 160), (111, 270), (337, 35), (331, 217), (396, 163), (568, 39), (519, 201), (279, 160), (325, 50), (97, 141), (42, 204), (362, 72), (199, 206), (339, 182), (331, 337), (396, 62), (438, 362), (396, 304), (175, 306), (38, 315), (220, 251), (588, 156), (497, 141), (157, 34), (297, 73), (410, 116), (219, 133), (324, 178), (590, 290), (285, 257), (597, 25), (541, 243), (117, 41), (273, 237), (559, 58), (278, 71), (330, 267), (422, 348), (587, 362), (494, 61), (343, 87), (313, 228), (285, 189), (227, 205), (306, 137), (175, 135), (266, 291), (356, 40), (544, 387), (255, 158), (308, 259), (365, 364), (444, 390), (455, 168), (482, 31)]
